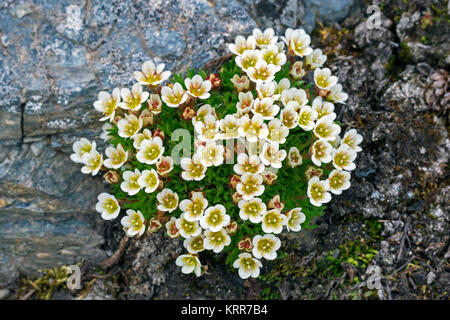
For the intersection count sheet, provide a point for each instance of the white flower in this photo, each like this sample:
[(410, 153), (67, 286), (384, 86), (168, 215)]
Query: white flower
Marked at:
[(326, 129), (265, 246), (193, 208), (248, 59), (93, 162), (252, 210), (171, 228), (321, 152), (130, 183), (253, 129), (116, 157), (168, 200), (343, 158), (211, 154), (80, 148), (250, 186), (187, 228), (194, 244), (323, 108), (151, 74), (352, 139), (216, 241), (189, 263), (289, 115), (154, 103), (273, 221), (294, 158), (294, 94), (323, 78), (241, 44), (277, 131), (248, 164), (284, 84), (105, 132), (240, 83), (262, 72), (265, 107), (271, 55), (215, 218), (245, 102), (298, 42), (316, 59), (108, 206), (150, 150), (196, 87), (207, 129), (248, 266), (175, 96), (202, 112), (266, 89), (133, 223), (107, 104), (339, 181), (229, 127), (336, 94), (318, 191), (296, 71), (149, 180), (129, 126), (306, 118), (271, 155), (264, 39), (193, 169), (164, 166), (132, 100), (139, 137), (295, 218)]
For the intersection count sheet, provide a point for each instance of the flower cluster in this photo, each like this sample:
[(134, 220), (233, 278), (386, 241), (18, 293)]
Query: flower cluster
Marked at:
[(267, 150)]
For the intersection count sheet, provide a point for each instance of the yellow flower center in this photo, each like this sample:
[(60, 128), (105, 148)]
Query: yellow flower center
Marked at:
[(265, 245), (151, 180), (133, 182), (197, 170), (317, 192), (248, 263), (337, 181), (322, 81), (153, 152), (136, 222), (188, 226), (272, 218), (190, 261), (217, 238), (214, 218), (304, 118), (110, 206), (134, 102), (169, 201), (197, 244), (341, 159)]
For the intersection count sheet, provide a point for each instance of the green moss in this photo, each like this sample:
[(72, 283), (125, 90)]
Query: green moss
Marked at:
[(42, 287), (331, 264)]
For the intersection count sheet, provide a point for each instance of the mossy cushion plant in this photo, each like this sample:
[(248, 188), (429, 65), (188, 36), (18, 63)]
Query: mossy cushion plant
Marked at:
[(229, 160)]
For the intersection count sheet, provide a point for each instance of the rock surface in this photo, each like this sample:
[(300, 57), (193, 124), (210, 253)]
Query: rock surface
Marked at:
[(56, 55)]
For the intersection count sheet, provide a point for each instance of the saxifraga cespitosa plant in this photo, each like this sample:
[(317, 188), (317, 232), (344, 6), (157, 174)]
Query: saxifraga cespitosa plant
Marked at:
[(267, 151)]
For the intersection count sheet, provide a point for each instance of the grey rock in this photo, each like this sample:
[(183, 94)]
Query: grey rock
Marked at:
[(46, 211), (55, 56), (296, 13), (4, 293)]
